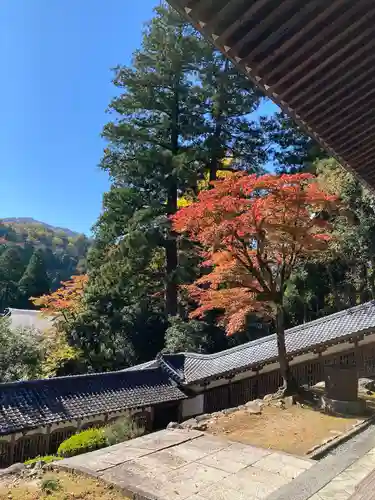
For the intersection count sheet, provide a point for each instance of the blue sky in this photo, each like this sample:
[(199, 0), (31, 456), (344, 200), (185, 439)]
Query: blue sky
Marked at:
[(54, 89)]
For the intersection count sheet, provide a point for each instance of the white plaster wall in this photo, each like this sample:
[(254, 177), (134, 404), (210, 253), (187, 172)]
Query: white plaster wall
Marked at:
[(303, 358), (125, 413), (275, 366), (243, 375), (193, 406), (369, 339), (269, 368), (338, 348), (63, 425)]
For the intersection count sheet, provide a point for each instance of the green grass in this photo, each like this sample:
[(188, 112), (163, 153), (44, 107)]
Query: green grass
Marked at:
[(47, 459)]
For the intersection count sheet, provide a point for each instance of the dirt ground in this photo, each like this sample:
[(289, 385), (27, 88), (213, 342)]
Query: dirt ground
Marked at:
[(294, 430), (68, 487)]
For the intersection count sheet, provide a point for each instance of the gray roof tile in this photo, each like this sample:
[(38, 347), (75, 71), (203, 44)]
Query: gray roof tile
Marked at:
[(30, 404), (153, 363), (189, 367)]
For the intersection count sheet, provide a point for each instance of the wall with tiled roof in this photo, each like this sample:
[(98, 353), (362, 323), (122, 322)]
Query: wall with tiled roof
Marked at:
[(189, 368), (31, 404)]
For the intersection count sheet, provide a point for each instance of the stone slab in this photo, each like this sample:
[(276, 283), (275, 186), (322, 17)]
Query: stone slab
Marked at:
[(182, 464), (285, 465), (254, 482), (220, 492), (309, 484), (235, 457), (164, 439), (110, 459)]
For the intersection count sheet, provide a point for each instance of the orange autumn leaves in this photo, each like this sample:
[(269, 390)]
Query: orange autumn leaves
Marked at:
[(65, 302), (252, 232)]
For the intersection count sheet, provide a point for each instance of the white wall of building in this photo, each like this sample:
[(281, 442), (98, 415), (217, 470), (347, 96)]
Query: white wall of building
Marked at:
[(193, 406)]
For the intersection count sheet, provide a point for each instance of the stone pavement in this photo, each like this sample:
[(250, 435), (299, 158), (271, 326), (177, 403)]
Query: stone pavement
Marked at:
[(190, 465), (337, 476), (344, 484)]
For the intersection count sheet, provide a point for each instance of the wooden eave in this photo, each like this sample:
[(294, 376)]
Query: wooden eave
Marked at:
[(313, 58)]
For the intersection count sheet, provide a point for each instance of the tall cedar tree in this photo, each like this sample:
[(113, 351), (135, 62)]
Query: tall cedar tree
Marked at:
[(290, 149), (253, 232), (35, 281), (231, 133), (183, 109), (152, 142)]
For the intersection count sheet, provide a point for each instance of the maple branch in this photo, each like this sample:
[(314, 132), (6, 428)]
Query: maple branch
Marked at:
[(251, 266)]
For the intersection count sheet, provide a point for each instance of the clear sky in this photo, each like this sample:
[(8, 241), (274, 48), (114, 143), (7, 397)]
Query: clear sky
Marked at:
[(55, 85), (54, 88)]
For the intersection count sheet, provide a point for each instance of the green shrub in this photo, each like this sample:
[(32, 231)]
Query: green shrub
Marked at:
[(88, 440), (46, 459), (49, 485), (123, 429)]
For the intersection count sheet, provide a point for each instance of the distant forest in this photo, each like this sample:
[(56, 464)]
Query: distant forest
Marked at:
[(35, 258)]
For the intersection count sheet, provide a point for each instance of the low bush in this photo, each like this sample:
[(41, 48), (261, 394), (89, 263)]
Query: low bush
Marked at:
[(50, 485), (123, 429), (46, 459), (88, 440)]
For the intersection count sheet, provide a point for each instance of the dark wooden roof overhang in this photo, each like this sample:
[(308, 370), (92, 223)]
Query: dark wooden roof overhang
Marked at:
[(314, 58)]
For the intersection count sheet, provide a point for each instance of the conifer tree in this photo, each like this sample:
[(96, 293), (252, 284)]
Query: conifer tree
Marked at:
[(34, 282)]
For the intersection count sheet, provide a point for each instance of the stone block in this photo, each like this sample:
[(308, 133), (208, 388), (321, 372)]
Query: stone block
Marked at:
[(194, 477), (254, 482), (191, 450), (254, 408), (163, 439), (345, 482), (220, 492), (339, 407), (223, 461), (333, 492), (366, 384), (286, 465)]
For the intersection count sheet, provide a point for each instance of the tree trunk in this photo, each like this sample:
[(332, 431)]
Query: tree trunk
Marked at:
[(171, 289), (171, 251), (217, 146), (289, 383), (332, 283), (216, 151)]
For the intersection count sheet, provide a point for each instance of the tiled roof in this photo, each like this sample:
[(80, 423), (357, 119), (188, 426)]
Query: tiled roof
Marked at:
[(31, 404), (189, 367), (25, 318), (153, 363)]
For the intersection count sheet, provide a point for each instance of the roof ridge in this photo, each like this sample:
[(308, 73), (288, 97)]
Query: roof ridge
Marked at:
[(24, 310), (268, 338), (37, 381)]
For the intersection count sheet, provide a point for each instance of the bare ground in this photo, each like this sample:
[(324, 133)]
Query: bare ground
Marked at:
[(294, 430), (69, 487)]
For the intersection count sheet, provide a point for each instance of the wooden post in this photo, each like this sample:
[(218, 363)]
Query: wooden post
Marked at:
[(358, 357), (48, 433), (229, 389), (11, 449)]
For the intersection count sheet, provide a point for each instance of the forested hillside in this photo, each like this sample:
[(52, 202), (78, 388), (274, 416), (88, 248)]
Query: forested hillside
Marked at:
[(34, 259)]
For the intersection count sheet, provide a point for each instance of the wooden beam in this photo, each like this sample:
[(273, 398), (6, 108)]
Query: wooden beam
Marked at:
[(337, 54), (308, 48)]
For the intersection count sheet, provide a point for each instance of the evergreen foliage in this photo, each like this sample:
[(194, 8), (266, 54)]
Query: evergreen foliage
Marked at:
[(63, 253)]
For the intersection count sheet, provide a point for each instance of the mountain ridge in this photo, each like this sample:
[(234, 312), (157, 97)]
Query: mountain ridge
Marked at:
[(32, 221)]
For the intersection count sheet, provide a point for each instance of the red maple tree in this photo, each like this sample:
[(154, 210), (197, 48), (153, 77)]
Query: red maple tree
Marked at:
[(65, 302), (253, 231)]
